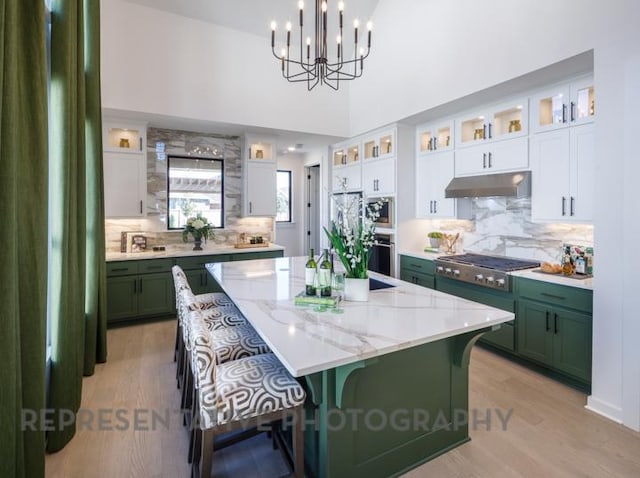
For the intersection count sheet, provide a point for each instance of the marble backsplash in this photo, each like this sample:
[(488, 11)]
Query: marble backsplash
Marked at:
[(165, 142), (503, 226)]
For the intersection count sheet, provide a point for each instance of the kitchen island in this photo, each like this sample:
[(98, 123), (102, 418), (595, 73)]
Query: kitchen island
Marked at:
[(387, 379)]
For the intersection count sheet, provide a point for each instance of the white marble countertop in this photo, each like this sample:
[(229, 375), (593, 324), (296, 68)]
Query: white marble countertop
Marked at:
[(307, 341), (187, 250), (529, 273), (555, 279)]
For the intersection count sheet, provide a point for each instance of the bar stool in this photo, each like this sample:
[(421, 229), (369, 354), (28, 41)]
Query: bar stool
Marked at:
[(200, 301), (242, 394), (225, 338)]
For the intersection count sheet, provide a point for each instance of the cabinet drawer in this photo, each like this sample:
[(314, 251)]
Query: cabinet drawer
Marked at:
[(155, 265), (494, 298), (122, 268), (198, 262), (565, 296), (424, 280), (418, 265)]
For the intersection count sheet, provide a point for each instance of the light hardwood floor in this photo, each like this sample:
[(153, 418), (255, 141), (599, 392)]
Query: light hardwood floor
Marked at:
[(549, 434)]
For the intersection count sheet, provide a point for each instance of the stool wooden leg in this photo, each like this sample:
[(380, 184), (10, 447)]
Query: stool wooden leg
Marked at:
[(206, 454)]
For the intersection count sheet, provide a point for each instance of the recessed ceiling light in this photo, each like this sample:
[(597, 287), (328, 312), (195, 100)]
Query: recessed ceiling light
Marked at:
[(291, 148)]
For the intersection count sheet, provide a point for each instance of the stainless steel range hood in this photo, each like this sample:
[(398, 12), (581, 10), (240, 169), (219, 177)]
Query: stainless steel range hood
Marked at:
[(504, 184)]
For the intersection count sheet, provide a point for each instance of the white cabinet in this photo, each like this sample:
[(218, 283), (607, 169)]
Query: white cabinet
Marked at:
[(347, 178), (501, 121), (379, 177), (563, 175), (565, 105), (434, 138), (346, 154), (260, 194), (259, 174), (501, 156), (433, 173), (125, 168), (381, 144), (125, 181)]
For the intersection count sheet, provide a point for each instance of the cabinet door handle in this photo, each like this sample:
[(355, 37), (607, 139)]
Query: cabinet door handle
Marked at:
[(546, 321), (553, 296), (345, 181), (140, 143), (435, 207), (571, 204), (564, 206), (484, 160), (250, 207), (555, 323), (121, 269), (135, 286), (430, 207), (490, 131), (435, 144), (140, 206), (564, 113), (573, 109), (489, 155)]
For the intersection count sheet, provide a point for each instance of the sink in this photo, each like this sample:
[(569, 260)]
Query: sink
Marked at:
[(375, 284)]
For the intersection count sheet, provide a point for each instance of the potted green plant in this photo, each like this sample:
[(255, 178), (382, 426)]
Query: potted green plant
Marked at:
[(434, 238), (200, 228), (353, 243)]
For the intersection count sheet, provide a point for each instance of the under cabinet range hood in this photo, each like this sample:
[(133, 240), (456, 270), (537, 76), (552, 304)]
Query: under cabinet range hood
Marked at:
[(487, 185)]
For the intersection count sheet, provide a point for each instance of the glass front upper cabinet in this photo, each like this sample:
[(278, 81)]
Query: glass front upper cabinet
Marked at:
[(566, 105), (123, 137), (343, 155), (506, 120), (435, 137), (261, 150), (379, 146)]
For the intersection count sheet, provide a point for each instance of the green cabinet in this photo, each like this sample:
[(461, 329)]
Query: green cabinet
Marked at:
[(555, 327), (139, 289), (504, 337), (144, 288), (418, 271)]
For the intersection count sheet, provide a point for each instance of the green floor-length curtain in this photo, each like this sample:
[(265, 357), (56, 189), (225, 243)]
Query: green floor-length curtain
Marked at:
[(77, 270), (23, 233)]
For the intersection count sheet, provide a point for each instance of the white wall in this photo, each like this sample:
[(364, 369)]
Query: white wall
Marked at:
[(291, 235), (157, 62)]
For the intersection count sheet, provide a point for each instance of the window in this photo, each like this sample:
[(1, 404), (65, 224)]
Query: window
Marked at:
[(195, 187), (283, 204)]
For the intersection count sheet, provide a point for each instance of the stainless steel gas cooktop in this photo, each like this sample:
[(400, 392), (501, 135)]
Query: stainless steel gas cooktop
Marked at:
[(481, 269)]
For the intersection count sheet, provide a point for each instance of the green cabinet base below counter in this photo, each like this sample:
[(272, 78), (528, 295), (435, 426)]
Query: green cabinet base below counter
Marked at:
[(139, 289)]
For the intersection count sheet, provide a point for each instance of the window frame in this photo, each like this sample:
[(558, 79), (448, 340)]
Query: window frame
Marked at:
[(222, 201), (290, 196)]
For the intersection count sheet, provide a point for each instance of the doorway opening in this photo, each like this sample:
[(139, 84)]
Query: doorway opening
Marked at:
[(312, 216)]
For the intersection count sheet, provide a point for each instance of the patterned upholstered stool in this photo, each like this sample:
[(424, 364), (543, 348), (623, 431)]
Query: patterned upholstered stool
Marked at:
[(241, 394), (200, 301), (224, 334)]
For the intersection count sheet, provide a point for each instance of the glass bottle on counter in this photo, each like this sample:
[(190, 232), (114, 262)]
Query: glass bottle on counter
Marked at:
[(324, 275), (310, 270), (567, 263)]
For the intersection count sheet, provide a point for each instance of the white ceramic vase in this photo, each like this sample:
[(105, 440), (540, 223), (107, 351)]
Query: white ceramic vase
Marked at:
[(356, 290)]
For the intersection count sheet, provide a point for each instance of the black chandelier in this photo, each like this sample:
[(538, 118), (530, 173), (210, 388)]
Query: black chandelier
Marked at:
[(316, 68)]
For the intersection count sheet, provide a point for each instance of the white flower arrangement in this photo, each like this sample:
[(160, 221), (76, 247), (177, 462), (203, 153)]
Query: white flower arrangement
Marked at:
[(353, 242), (199, 228)]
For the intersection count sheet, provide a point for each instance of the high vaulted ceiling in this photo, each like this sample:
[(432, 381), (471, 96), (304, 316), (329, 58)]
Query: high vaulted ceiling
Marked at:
[(255, 16)]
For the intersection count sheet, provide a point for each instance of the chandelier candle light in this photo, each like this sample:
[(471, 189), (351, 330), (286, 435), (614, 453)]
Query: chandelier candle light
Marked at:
[(317, 69)]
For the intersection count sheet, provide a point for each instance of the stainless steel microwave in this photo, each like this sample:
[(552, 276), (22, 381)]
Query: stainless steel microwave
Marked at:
[(386, 212)]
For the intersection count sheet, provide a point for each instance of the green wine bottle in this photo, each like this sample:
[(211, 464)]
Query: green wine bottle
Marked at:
[(324, 275), (310, 270)]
